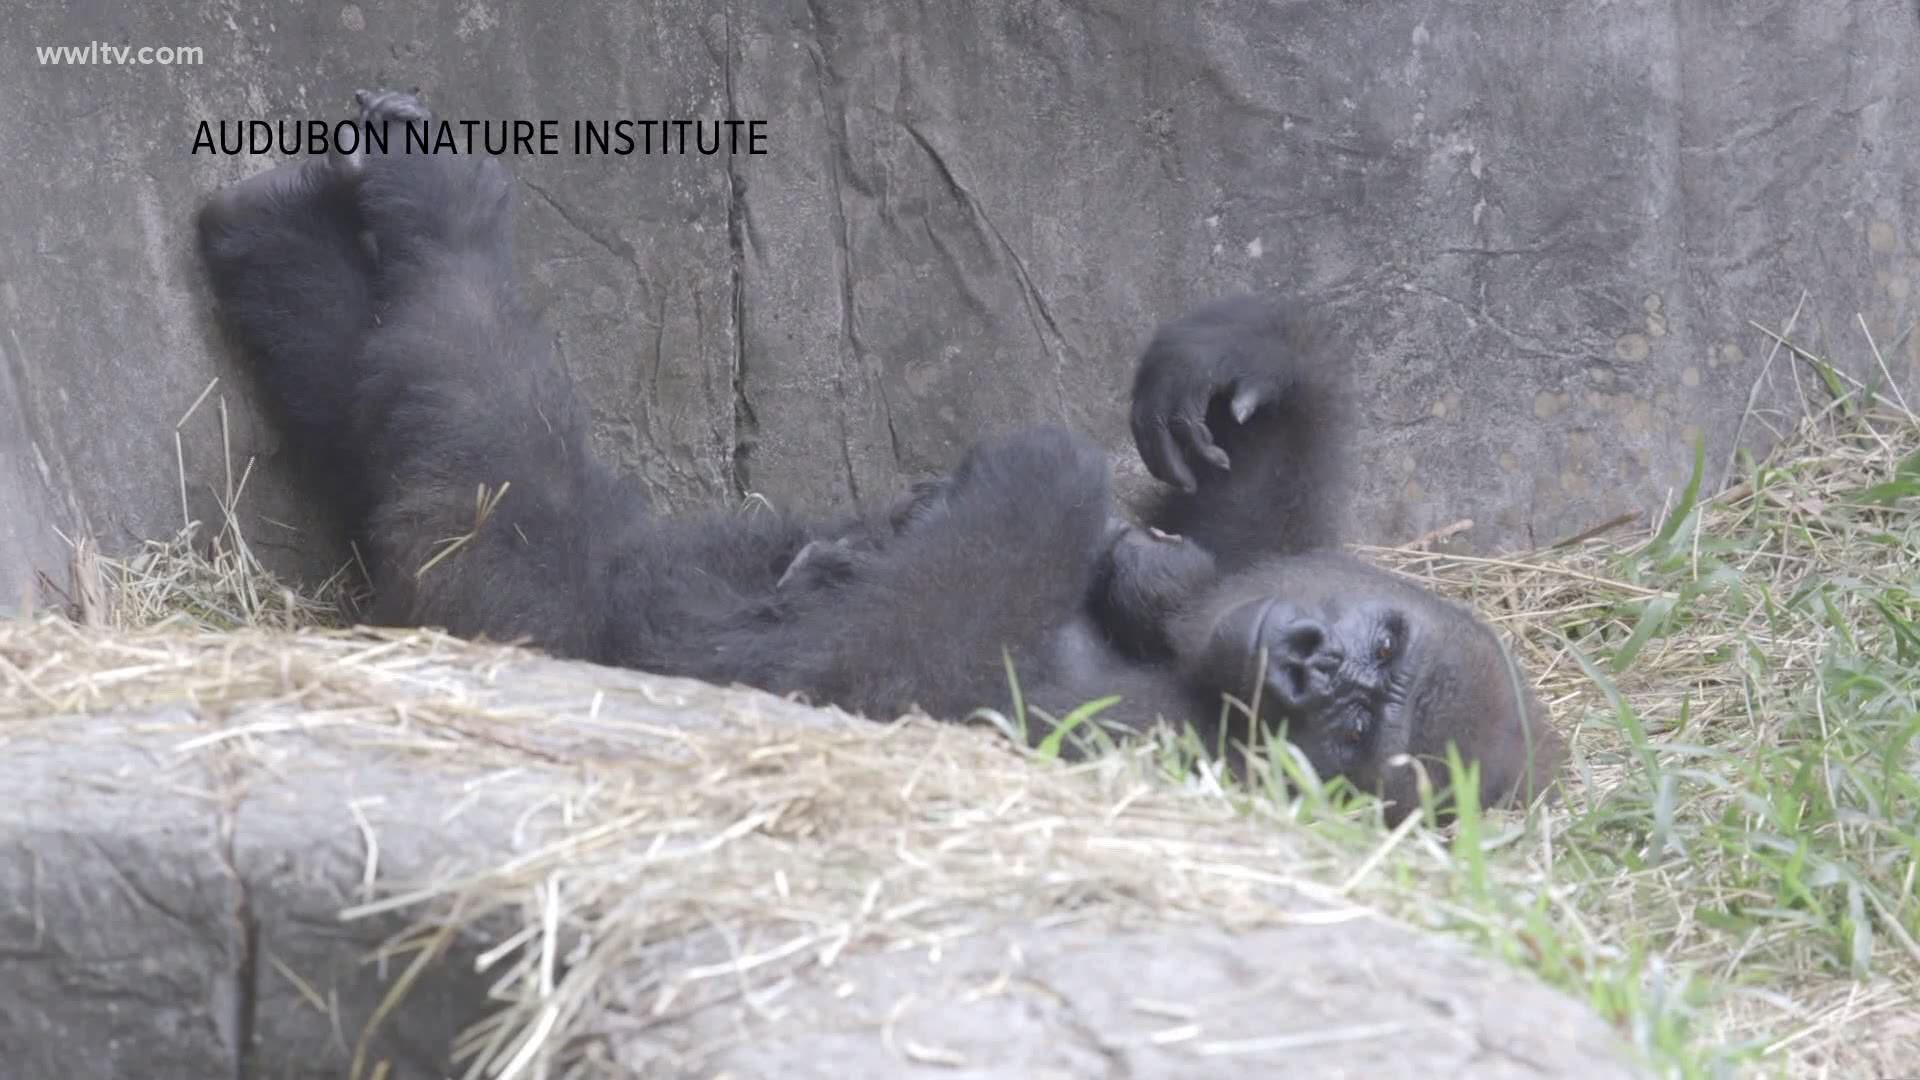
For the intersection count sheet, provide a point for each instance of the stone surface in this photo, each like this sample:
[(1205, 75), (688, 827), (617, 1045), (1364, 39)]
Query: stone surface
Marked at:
[(171, 885), (123, 939), (1357, 1000), (29, 521), (1546, 229), (162, 921)]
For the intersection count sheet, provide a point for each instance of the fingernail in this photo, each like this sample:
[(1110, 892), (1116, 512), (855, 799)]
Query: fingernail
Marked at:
[(1244, 403)]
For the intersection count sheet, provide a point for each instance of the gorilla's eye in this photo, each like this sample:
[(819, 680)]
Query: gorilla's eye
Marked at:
[(1385, 646), (1391, 635)]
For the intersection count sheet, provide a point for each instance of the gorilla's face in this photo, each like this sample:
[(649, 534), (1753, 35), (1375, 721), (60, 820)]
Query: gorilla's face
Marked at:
[(1363, 671)]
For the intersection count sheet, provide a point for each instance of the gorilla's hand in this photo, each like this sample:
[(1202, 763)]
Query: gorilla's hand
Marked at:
[(1143, 581), (1240, 352)]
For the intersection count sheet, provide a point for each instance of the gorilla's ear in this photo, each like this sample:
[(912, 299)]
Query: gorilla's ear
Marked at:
[(1524, 758), (1494, 720)]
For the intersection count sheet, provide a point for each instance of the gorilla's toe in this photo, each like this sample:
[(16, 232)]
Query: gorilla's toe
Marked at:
[(383, 106), (379, 108)]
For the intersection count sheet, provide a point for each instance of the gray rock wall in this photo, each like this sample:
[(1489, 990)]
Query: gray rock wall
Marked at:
[(1546, 227)]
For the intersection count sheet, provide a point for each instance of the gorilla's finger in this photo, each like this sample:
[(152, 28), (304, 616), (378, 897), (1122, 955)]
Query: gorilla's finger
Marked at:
[(1146, 419), (1159, 449), (1191, 429), (1252, 392)]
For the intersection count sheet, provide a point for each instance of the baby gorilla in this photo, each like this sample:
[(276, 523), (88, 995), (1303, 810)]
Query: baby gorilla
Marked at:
[(1243, 408), (1265, 629), (377, 300)]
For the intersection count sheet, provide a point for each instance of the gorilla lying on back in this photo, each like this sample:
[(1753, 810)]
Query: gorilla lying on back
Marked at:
[(375, 296)]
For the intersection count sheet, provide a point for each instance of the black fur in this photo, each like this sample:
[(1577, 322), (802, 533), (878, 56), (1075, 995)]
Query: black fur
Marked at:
[(376, 299)]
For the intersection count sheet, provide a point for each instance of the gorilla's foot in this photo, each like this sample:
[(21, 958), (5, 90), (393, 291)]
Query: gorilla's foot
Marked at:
[(1167, 565), (381, 106)]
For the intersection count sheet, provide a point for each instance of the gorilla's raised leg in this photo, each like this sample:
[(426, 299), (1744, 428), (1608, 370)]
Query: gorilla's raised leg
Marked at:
[(295, 288), (492, 515), (483, 504), (1244, 406)]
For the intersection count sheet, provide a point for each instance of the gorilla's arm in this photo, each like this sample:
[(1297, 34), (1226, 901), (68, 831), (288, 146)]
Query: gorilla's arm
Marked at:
[(1244, 407), (487, 507), (994, 562)]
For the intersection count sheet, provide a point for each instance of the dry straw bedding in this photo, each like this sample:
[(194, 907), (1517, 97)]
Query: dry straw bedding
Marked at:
[(800, 842)]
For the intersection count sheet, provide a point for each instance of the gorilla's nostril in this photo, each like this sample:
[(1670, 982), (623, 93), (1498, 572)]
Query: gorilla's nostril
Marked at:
[(1301, 640)]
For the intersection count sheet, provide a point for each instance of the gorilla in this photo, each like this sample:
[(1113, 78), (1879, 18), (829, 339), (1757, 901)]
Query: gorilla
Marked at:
[(375, 297)]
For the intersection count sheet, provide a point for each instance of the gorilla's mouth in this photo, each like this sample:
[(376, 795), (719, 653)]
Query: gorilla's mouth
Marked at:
[(1346, 722)]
